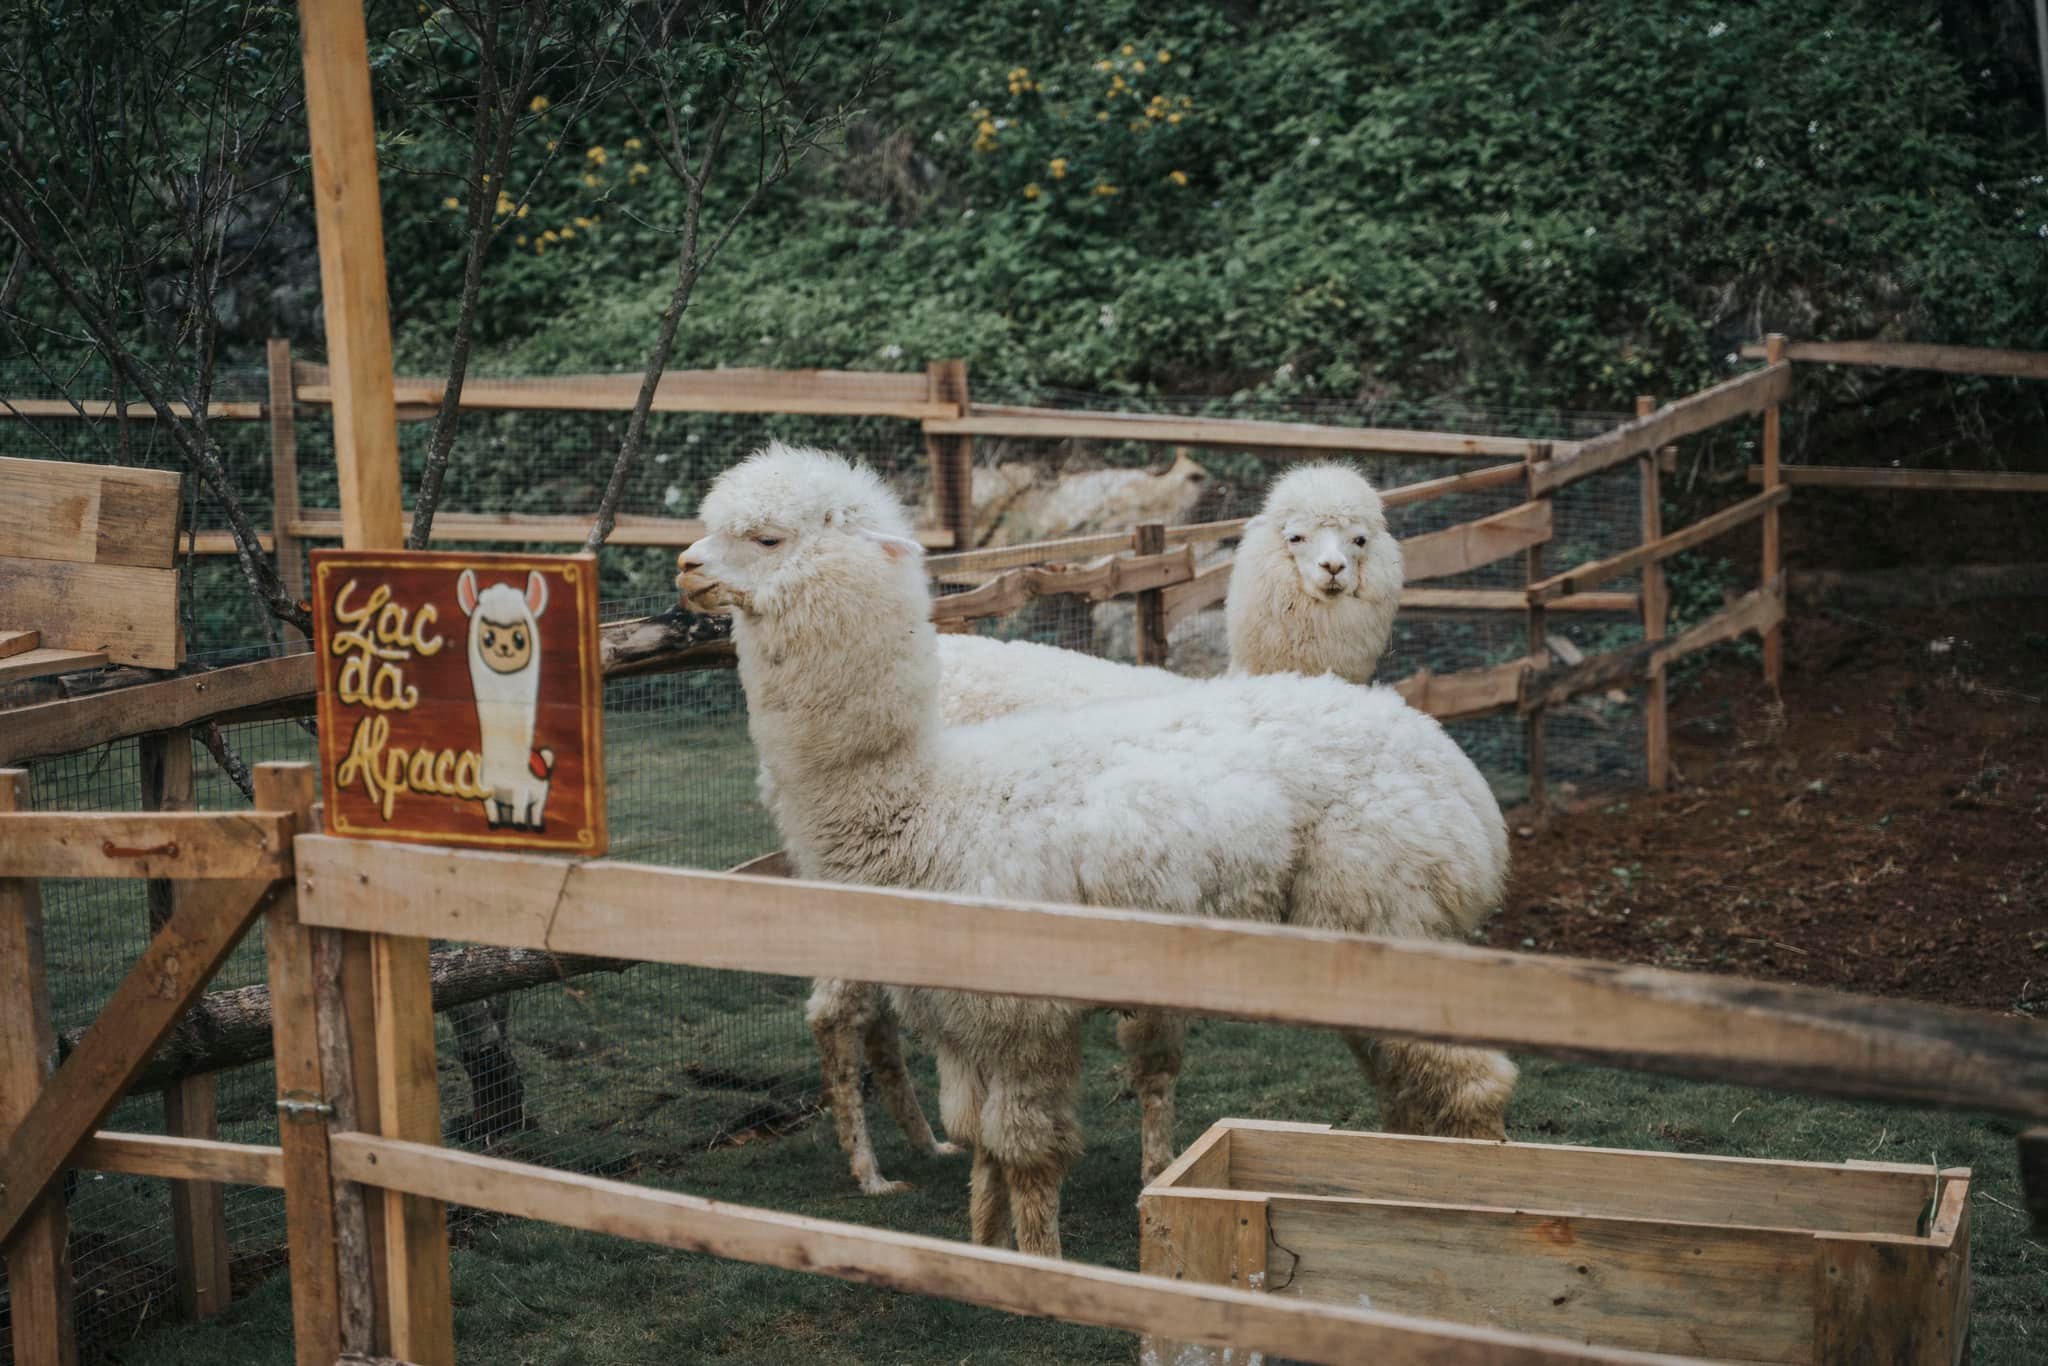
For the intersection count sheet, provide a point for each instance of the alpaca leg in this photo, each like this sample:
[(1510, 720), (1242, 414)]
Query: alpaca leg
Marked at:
[(839, 1013), (988, 1201), (1442, 1090), (1031, 1123), (1153, 1043), (1035, 1205), (885, 1060)]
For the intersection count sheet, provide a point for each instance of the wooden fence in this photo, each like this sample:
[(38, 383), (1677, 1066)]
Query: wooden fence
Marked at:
[(366, 1183)]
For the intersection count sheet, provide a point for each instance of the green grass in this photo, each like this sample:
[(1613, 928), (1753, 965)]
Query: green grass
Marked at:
[(531, 1293)]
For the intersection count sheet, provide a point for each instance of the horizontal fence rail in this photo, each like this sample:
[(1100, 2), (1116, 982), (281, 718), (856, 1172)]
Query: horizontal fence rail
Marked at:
[(1735, 398), (1692, 1025), (1884, 477), (1052, 424), (1954, 360)]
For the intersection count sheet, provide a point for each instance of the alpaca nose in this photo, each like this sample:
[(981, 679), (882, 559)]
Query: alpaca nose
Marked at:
[(1332, 567), (689, 563)]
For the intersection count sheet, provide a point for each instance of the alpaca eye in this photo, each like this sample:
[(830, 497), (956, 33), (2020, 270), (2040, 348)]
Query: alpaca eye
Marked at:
[(519, 640), (768, 542), (1358, 540), (1294, 540)]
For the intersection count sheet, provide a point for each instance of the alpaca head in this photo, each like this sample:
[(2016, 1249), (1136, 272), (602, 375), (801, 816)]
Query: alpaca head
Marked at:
[(788, 528), (503, 632), (1328, 522)]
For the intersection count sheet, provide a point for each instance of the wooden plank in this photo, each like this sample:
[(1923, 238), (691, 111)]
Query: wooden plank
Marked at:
[(1681, 1187), (1685, 1024), (1646, 1285), (1954, 360), (38, 1260), (1709, 408), (848, 393), (342, 133), (1472, 481), (137, 412), (1535, 725), (208, 543), (302, 1136), (172, 970), (1060, 424), (79, 723), (1594, 572), (994, 1278), (182, 1159), (199, 1229), (129, 612), (1038, 552), (284, 475), (1774, 642), (211, 845), (1097, 581), (1146, 541), (415, 1224), (105, 514), (1207, 588), (19, 642), (951, 458), (45, 663), (1469, 692), (316, 524), (1754, 611), (1510, 600), (1885, 1301), (1757, 610), (1207, 1239), (1469, 545), (1656, 610), (1884, 478)]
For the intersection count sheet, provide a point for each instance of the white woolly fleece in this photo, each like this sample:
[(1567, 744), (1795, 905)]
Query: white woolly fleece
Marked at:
[(781, 484)]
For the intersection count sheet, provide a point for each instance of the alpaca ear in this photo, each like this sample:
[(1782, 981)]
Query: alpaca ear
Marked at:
[(465, 591), (895, 547), (536, 593)]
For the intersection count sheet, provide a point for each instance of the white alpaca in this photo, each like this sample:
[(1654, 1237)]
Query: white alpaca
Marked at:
[(1285, 799), (504, 672), (1322, 528)]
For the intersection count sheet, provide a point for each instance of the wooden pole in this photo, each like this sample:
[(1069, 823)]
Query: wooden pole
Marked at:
[(1539, 787), (1150, 539), (1656, 611), (284, 475), (407, 1097), (38, 1259), (199, 1224), (952, 457), (1774, 640)]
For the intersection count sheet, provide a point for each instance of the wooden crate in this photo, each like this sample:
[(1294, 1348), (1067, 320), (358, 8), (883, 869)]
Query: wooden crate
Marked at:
[(1723, 1258)]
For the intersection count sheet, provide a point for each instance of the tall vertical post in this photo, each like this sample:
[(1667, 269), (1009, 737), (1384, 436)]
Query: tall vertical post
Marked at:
[(1150, 539), (1656, 613), (1774, 638), (1539, 786), (199, 1224), (38, 1259), (952, 456), (284, 475), (419, 1323)]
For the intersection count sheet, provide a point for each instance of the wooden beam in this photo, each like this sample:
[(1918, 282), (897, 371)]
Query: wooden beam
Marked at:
[(186, 845), (137, 412), (1472, 481), (950, 459), (1757, 610), (130, 613), (38, 1260), (1057, 424), (342, 131), (19, 642), (284, 477), (182, 1159), (172, 970), (1954, 360), (43, 663), (1754, 611), (64, 727), (1509, 600), (1097, 581), (316, 524), (1709, 408), (843, 393), (1585, 576), (1150, 540), (95, 514), (1468, 692), (1656, 611), (1688, 1024), (1880, 478), (1469, 545), (1067, 548), (1774, 642), (1299, 1330)]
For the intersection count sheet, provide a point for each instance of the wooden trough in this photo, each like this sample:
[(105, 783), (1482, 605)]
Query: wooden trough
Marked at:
[(1723, 1258)]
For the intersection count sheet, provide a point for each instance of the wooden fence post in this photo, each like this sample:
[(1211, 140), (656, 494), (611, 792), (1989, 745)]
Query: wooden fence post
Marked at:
[(952, 457), (199, 1224), (1539, 787), (1774, 640), (38, 1259), (1656, 614), (1150, 539), (284, 475)]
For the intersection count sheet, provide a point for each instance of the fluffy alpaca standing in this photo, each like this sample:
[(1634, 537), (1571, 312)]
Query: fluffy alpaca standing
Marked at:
[(1280, 799), (504, 673), (1315, 589)]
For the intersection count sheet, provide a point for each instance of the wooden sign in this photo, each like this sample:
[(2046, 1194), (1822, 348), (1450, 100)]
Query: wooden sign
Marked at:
[(461, 699)]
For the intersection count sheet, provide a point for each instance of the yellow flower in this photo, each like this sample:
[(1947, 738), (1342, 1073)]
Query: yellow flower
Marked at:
[(551, 236), (522, 210), (1173, 118), (1178, 177), (632, 144), (1116, 82), (538, 104), (1164, 56), (1058, 167), (1137, 68), (596, 155), (520, 240), (1102, 65), (487, 180), (593, 181), (568, 233), (588, 223), (1104, 189), (1128, 49), (1031, 192), (638, 169), (451, 202), (1016, 89), (986, 128), (505, 204), (1102, 116)]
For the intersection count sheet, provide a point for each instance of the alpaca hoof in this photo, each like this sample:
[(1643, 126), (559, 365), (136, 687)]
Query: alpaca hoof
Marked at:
[(883, 1186), (947, 1150)]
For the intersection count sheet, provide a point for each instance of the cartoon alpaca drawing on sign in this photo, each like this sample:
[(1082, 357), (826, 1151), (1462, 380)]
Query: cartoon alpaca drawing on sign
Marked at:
[(504, 672)]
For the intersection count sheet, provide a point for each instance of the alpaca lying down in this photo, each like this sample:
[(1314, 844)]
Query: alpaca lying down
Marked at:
[(1314, 588), (1281, 799)]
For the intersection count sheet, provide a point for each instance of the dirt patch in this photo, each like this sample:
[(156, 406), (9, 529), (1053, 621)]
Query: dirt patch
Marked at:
[(1883, 829)]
